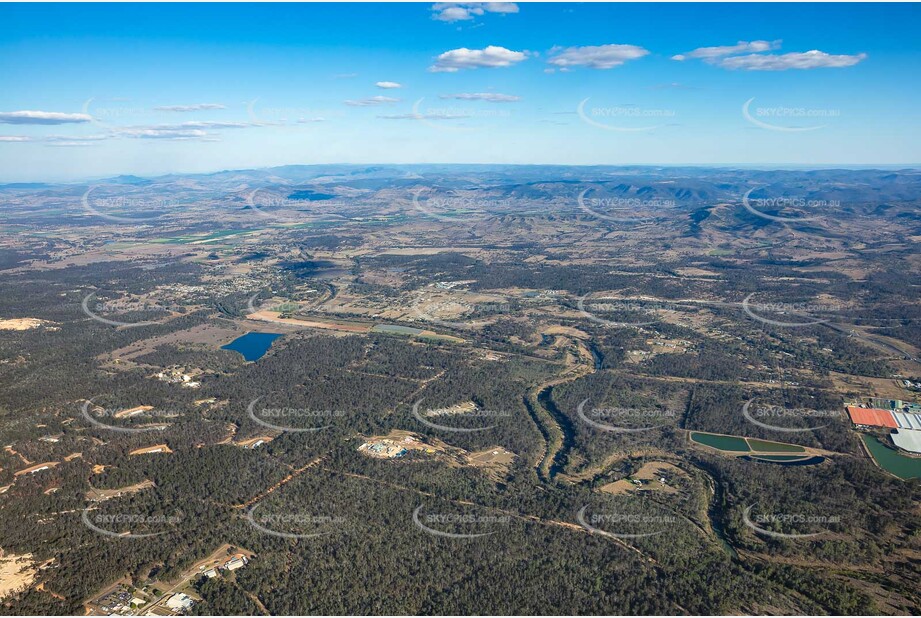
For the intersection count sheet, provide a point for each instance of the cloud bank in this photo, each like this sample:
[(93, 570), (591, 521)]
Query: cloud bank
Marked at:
[(465, 11), (37, 117), (595, 56), (492, 56)]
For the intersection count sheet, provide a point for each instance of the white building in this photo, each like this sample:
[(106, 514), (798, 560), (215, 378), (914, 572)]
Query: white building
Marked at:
[(180, 602), (234, 564), (908, 435), (907, 439)]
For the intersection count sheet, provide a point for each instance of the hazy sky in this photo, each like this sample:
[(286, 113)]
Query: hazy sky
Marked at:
[(95, 90)]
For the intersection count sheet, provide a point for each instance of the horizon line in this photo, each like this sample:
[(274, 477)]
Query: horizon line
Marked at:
[(768, 167)]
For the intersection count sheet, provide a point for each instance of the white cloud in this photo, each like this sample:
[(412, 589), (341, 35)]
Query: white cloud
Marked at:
[(308, 120), (595, 56), (35, 117), (711, 53), (162, 133), (726, 56), (189, 108), (672, 86), (388, 85), (429, 116), (56, 140), (207, 124), (463, 58), (72, 138), (70, 144), (500, 7), (378, 100), (196, 129), (465, 11), (492, 97), (814, 59), (456, 13)]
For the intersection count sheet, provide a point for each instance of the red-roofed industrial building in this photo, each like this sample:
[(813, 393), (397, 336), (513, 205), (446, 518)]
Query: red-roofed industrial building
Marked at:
[(871, 417)]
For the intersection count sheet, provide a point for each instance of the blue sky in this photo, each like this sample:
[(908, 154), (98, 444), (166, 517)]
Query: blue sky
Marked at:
[(96, 90)]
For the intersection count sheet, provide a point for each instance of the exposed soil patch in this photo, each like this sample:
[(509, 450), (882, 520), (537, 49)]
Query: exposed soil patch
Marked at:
[(16, 573), (157, 448)]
